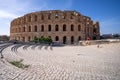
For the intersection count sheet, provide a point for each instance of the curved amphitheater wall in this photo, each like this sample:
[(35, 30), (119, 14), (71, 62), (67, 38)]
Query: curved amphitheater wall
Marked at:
[(68, 27)]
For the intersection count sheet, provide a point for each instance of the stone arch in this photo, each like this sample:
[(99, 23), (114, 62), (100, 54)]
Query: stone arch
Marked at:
[(42, 36), (79, 27), (42, 28), (49, 27), (23, 39), (64, 27), (79, 38), (42, 17), (29, 18), (94, 37), (94, 30), (64, 40), (56, 38), (23, 29), (35, 28), (72, 27), (72, 39), (56, 27), (29, 29), (29, 38)]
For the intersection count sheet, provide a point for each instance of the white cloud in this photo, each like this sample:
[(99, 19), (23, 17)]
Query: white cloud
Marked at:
[(14, 5), (10, 9), (4, 14)]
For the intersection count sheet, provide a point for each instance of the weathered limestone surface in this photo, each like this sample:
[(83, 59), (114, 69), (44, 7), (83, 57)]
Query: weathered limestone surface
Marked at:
[(45, 23)]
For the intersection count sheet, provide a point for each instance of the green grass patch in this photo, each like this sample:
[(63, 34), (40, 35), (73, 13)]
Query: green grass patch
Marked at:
[(19, 64)]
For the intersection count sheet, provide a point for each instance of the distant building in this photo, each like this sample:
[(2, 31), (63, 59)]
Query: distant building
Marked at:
[(110, 36), (4, 38), (67, 27)]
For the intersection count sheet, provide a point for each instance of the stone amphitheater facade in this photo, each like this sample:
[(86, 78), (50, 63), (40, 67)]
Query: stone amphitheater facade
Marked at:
[(64, 26)]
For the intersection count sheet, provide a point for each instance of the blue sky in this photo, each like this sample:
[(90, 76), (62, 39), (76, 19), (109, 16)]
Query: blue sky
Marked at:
[(107, 12)]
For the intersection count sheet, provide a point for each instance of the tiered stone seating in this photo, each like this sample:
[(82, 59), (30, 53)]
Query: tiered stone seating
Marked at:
[(26, 46), (2, 47), (15, 47), (62, 63)]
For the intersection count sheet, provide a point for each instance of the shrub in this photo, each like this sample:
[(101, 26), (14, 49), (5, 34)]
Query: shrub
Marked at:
[(19, 64), (45, 40)]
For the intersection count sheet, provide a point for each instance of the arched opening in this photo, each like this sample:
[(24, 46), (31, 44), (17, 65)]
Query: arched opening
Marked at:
[(79, 38), (56, 28), (94, 30), (42, 36), (56, 38), (23, 39), (29, 29), (42, 17), (94, 38), (72, 27), (42, 28), (79, 27), (49, 27), (64, 40), (64, 27), (72, 39), (29, 19), (29, 38), (35, 28), (95, 34), (23, 29)]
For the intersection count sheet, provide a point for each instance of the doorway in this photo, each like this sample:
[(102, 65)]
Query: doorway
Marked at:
[(64, 40)]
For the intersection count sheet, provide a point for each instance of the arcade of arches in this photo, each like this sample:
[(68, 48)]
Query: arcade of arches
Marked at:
[(67, 27)]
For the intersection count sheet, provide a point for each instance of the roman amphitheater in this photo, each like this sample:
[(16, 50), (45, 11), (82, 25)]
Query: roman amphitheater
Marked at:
[(31, 61), (67, 27)]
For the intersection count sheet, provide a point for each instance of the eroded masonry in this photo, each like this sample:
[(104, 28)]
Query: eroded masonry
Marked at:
[(67, 27)]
